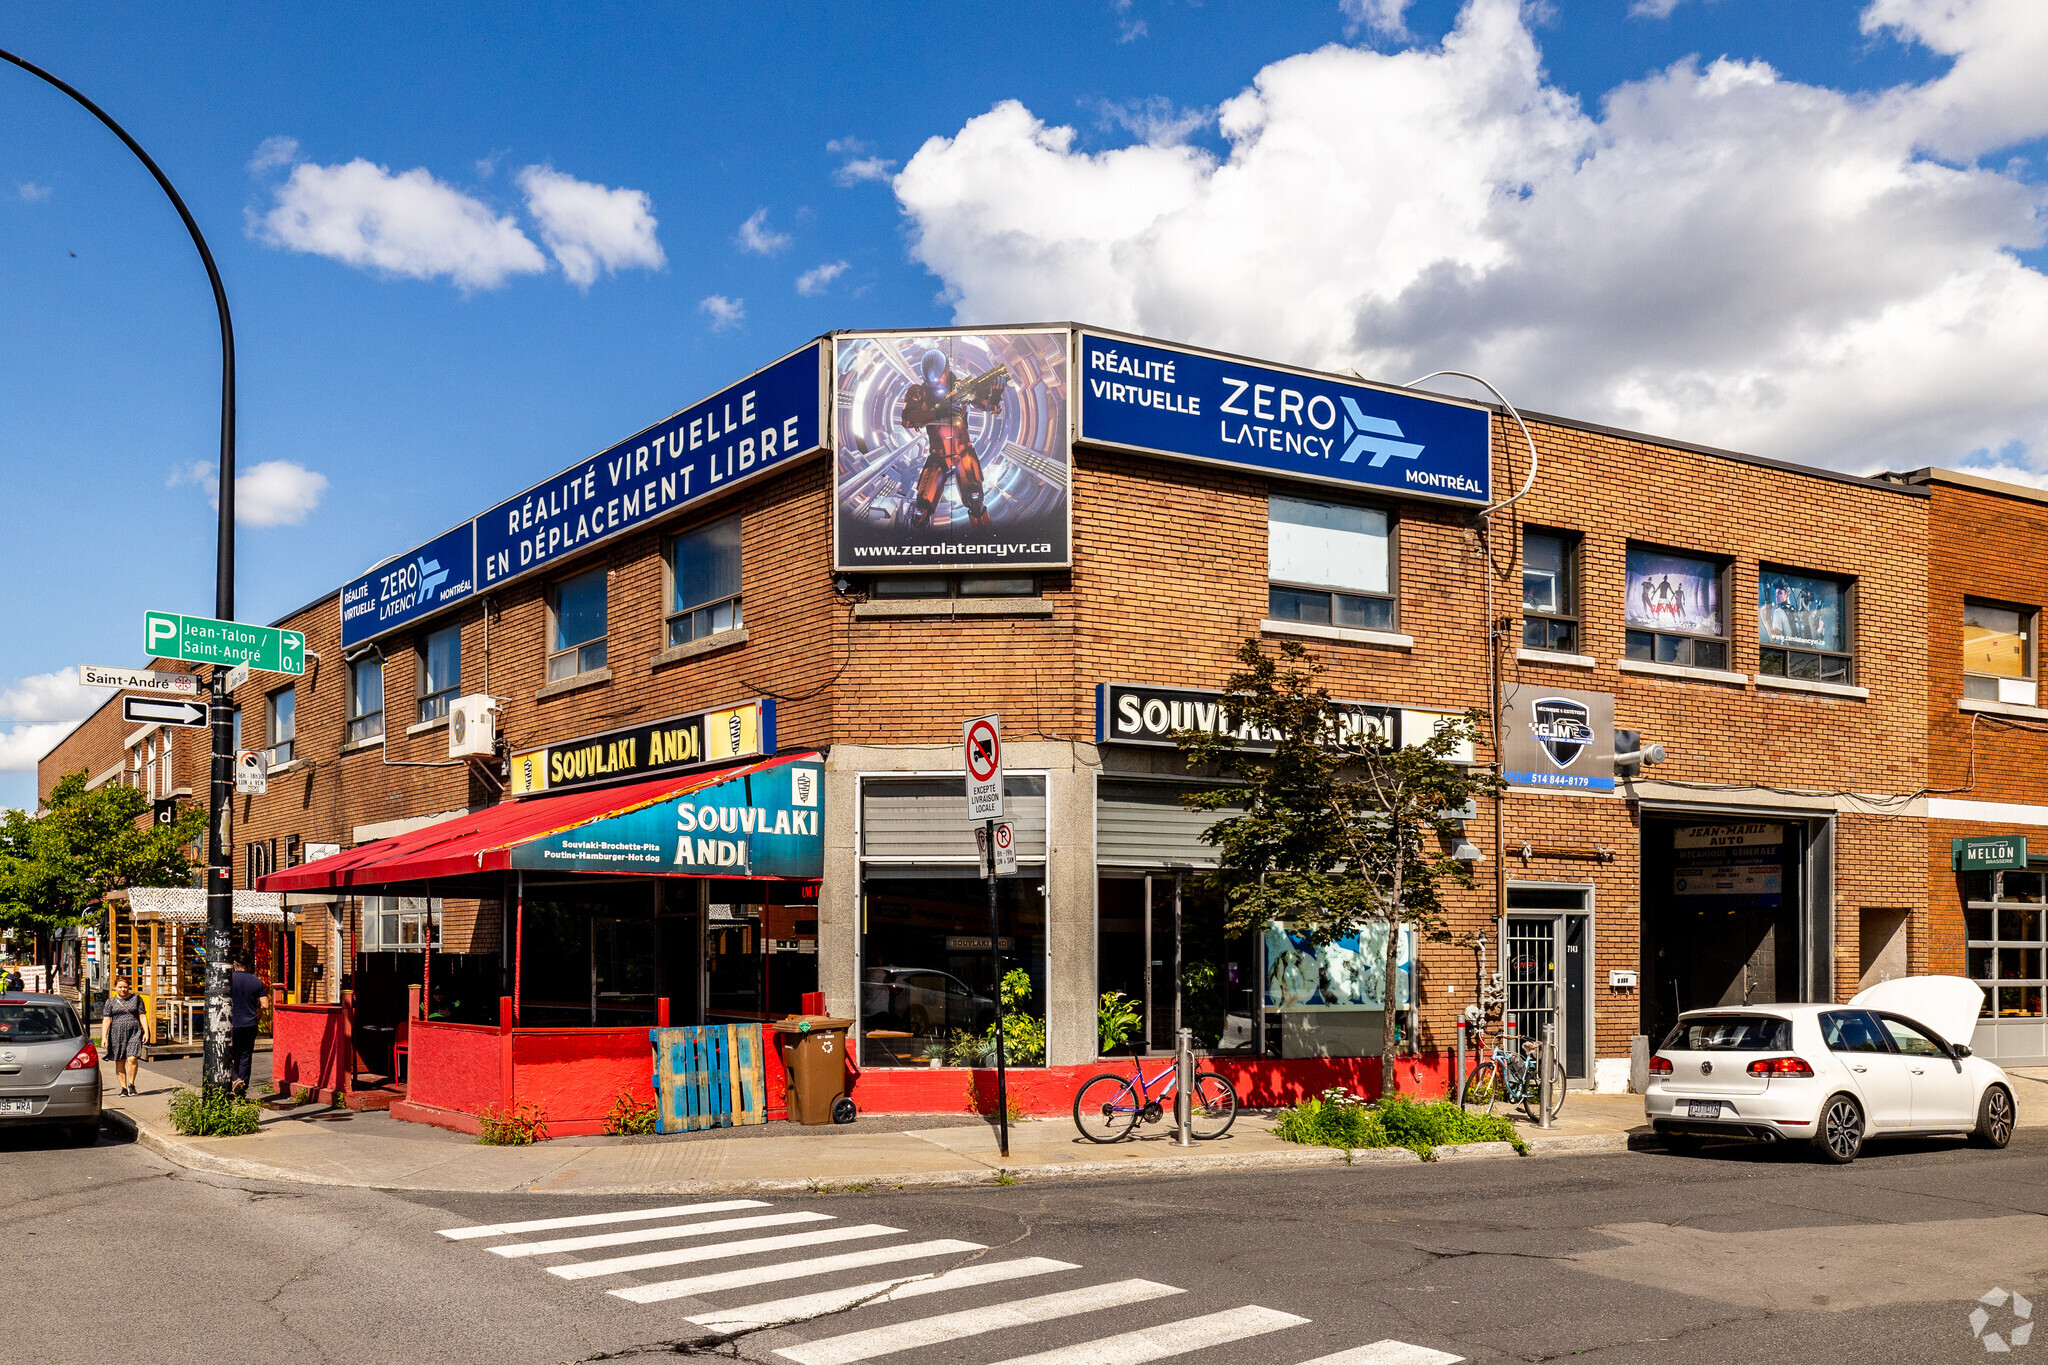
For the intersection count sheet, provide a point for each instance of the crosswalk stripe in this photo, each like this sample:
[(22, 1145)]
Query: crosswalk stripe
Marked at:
[(590, 1220), (922, 1332), (1388, 1352), (614, 1239), (1169, 1339), (648, 1260), (790, 1270), (778, 1312)]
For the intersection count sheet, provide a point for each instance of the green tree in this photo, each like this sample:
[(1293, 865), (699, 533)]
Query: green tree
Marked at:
[(1336, 829), (55, 865)]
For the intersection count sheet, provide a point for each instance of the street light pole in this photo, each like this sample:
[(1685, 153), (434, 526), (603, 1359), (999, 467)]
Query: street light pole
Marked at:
[(220, 788)]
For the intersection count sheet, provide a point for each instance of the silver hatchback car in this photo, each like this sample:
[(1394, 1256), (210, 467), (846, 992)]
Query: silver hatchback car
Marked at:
[(49, 1069)]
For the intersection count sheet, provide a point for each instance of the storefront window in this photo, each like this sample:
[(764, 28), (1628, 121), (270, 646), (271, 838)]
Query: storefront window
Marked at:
[(576, 626), (440, 672), (1998, 653), (704, 570), (1329, 563), (928, 981), (1802, 627), (760, 948), (1673, 610), (2007, 924)]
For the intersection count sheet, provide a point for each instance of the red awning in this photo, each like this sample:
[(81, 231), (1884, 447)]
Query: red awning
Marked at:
[(483, 841)]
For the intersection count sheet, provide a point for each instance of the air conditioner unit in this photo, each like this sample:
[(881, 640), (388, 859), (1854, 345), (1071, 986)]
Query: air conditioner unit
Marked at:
[(472, 727)]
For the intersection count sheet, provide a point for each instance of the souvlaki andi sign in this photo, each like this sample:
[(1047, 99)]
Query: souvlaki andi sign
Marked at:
[(1193, 405), (762, 822)]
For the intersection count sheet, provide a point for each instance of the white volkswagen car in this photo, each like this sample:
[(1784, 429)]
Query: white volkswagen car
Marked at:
[(1832, 1075)]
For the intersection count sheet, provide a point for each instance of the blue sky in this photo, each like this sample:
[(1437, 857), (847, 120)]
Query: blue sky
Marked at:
[(419, 401)]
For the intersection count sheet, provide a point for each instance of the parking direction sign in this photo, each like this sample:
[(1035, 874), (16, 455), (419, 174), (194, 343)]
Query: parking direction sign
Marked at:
[(252, 773), (983, 740), (162, 711), (203, 640)]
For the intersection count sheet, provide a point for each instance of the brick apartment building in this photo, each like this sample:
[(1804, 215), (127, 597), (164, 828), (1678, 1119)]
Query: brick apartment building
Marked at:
[(1761, 621)]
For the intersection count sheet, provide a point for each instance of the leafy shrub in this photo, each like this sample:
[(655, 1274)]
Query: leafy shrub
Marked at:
[(1116, 1019), (1023, 1034), (1440, 1123), (629, 1117), (1335, 1118), (518, 1126), (1338, 1118), (215, 1113)]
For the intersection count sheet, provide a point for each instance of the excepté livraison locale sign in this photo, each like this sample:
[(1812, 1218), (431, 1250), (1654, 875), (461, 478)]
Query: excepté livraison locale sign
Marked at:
[(1991, 854)]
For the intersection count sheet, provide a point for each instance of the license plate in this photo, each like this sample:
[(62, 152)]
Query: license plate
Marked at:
[(17, 1106), (1703, 1109)]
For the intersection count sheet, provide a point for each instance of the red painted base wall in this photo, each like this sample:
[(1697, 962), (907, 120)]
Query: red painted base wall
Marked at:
[(307, 1051)]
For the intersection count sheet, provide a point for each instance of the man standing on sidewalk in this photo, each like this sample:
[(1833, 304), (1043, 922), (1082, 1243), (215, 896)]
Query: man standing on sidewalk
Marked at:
[(244, 990)]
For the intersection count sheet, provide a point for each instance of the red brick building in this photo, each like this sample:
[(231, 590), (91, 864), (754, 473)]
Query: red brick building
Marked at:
[(1760, 621)]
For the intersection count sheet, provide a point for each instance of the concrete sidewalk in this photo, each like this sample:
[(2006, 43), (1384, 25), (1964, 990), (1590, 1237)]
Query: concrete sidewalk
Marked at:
[(336, 1147)]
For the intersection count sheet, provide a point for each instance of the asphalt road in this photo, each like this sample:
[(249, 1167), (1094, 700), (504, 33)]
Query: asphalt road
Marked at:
[(1738, 1255)]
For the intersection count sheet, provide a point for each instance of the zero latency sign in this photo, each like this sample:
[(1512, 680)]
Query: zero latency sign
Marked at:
[(202, 640)]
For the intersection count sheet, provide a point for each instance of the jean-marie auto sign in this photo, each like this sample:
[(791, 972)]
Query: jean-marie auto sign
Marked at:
[(1219, 410)]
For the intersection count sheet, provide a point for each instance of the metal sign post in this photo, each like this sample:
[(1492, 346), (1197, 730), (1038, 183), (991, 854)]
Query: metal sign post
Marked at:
[(982, 741), (1543, 1060), (1184, 1088)]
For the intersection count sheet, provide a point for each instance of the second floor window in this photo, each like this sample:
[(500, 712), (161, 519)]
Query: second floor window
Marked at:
[(1998, 652), (1673, 610), (1550, 596), (281, 725), (1803, 627), (366, 698), (440, 672), (704, 569), (1329, 563), (953, 585), (576, 625)]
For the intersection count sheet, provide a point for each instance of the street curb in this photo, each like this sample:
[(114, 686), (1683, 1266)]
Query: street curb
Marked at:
[(193, 1157)]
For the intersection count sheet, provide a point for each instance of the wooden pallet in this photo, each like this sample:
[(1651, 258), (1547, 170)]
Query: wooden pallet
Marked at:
[(708, 1077)]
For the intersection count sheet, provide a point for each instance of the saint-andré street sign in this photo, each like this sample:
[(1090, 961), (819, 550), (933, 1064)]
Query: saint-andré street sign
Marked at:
[(202, 640)]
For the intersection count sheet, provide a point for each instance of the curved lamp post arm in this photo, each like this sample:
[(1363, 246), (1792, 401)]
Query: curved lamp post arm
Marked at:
[(224, 577)]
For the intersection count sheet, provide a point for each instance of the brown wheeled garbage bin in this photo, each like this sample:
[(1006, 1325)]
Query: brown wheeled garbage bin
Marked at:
[(814, 1058)]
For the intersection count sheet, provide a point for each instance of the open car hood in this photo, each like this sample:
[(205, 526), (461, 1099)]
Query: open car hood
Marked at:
[(1947, 1004)]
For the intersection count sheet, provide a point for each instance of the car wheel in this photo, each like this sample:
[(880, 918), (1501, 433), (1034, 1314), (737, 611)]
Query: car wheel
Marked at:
[(1678, 1144), (1839, 1136), (1994, 1118)]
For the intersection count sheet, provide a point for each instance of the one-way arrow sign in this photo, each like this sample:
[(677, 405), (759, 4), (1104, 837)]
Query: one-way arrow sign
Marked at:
[(153, 710)]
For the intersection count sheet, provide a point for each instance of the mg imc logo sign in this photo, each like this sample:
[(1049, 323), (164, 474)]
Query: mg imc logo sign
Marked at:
[(1563, 729)]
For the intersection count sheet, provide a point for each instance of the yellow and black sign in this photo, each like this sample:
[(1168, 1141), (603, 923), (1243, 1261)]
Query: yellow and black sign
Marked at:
[(679, 743)]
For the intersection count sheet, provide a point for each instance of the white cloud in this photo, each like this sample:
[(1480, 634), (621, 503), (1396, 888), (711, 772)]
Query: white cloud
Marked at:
[(1720, 253), (1653, 9), (1385, 17), (1156, 119), (273, 152), (32, 193), (724, 312), (591, 228), (1129, 30), (407, 224), (756, 236), (819, 277), (272, 493), (51, 705), (861, 163)]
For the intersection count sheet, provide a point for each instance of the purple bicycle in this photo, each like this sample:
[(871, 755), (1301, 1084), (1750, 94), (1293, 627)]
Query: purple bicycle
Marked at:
[(1109, 1105)]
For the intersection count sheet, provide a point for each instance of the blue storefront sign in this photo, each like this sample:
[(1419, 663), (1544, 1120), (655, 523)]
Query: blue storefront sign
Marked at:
[(766, 823), (404, 590), (741, 433), (1191, 405)]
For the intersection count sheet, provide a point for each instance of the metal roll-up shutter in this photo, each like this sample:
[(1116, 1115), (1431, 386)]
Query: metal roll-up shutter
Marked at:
[(1143, 824), (924, 819)]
